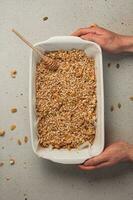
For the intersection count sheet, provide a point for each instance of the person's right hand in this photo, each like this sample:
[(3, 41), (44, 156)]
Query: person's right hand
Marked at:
[(113, 154), (109, 41)]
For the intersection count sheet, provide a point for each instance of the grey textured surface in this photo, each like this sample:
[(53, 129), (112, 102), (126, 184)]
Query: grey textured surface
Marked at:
[(40, 179)]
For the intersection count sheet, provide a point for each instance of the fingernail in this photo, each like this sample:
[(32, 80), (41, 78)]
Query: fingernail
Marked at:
[(86, 164), (93, 25), (86, 167)]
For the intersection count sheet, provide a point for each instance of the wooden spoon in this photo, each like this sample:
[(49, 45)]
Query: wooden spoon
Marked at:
[(50, 64)]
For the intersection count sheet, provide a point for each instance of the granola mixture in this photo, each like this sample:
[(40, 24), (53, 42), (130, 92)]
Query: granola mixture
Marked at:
[(66, 100)]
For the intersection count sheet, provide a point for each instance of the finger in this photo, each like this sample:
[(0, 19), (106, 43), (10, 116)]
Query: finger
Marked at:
[(79, 32), (96, 160), (96, 29), (104, 164), (91, 29), (92, 37), (87, 167)]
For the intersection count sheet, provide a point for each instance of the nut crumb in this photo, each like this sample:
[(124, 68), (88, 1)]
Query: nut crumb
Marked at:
[(131, 98), (12, 161), (119, 105), (8, 178), (13, 73), (12, 127), (25, 139), (45, 18), (25, 165), (19, 142), (2, 132), (112, 108), (25, 195), (1, 163), (109, 64), (13, 110), (117, 65)]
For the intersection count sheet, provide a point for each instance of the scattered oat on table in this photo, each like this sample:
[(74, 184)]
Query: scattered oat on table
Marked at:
[(131, 98), (13, 127), (66, 100), (119, 105), (13, 73), (2, 132), (117, 66), (12, 161), (45, 18), (112, 108), (1, 163), (13, 110), (25, 139), (19, 142)]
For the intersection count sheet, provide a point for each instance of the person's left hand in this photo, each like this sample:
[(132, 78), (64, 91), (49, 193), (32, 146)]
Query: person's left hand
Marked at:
[(113, 154)]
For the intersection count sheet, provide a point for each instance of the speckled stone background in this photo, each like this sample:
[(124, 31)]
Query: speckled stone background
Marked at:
[(33, 178)]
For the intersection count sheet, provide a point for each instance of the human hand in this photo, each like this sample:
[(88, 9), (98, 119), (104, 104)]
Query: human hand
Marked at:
[(108, 40), (113, 154)]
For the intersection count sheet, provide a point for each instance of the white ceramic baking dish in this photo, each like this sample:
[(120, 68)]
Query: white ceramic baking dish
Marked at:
[(65, 156)]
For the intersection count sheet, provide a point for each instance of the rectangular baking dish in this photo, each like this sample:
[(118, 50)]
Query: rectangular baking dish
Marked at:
[(74, 156)]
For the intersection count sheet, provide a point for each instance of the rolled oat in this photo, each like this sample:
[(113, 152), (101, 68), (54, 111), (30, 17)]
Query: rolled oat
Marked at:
[(13, 127), (12, 161), (13, 110), (2, 132)]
